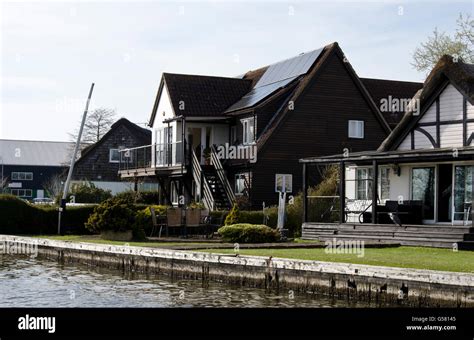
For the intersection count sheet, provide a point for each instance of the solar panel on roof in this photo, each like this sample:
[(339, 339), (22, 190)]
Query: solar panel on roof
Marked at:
[(277, 76), (289, 68), (257, 94)]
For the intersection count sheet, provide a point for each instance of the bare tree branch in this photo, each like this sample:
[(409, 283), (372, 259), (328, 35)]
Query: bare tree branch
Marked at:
[(460, 45)]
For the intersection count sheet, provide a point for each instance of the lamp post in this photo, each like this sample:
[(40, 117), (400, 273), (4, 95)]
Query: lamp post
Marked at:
[(73, 160)]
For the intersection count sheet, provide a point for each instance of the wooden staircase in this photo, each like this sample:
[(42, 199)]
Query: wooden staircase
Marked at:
[(212, 183), (442, 236), (221, 201)]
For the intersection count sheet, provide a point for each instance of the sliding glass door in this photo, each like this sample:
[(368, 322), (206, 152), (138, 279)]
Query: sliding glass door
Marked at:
[(423, 189), (463, 175)]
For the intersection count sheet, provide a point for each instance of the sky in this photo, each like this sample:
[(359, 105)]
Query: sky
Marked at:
[(51, 51)]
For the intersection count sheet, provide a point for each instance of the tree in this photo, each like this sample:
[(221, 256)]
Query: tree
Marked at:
[(54, 186), (3, 184), (98, 123), (460, 45)]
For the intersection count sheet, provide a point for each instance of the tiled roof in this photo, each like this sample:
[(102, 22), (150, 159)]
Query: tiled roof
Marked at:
[(204, 95), (381, 89)]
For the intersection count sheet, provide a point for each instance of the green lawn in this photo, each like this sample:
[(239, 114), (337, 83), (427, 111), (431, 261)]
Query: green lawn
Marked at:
[(97, 239), (405, 257)]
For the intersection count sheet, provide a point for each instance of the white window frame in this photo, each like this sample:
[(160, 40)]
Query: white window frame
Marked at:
[(286, 181), (355, 129), (249, 128), (387, 170), (110, 155), (22, 192), (21, 176), (367, 180), (174, 194)]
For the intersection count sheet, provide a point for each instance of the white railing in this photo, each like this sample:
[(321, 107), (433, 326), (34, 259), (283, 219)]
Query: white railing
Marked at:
[(150, 156), (222, 176), (201, 184)]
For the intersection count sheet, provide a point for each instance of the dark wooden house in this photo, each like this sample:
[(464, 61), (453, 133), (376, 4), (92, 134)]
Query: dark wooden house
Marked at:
[(99, 163), (216, 139)]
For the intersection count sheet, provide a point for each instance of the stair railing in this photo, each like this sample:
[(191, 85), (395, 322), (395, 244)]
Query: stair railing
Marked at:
[(221, 173), (202, 184)]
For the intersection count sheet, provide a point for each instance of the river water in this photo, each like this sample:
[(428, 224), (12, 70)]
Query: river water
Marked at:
[(28, 282)]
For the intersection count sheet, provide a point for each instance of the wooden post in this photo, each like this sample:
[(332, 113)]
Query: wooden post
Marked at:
[(183, 138), (342, 192), (305, 193), (375, 176)]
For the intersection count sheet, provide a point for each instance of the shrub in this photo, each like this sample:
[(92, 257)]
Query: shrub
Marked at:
[(248, 233), (116, 215), (89, 193), (233, 216), (19, 217), (143, 217)]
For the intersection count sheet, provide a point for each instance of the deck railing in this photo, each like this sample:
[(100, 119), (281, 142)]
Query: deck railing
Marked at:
[(151, 156), (222, 176), (201, 184)]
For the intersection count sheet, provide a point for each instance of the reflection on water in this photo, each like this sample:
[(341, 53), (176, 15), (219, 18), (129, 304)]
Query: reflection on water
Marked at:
[(27, 282)]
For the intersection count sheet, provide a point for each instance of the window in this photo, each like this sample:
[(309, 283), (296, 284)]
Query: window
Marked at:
[(423, 189), (174, 194), (248, 129), (356, 129), (114, 156), (283, 183), (463, 177), (385, 183), (243, 183), (364, 183), (22, 192), (22, 176)]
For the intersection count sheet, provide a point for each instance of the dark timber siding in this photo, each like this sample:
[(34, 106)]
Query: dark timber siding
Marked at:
[(95, 165), (41, 174), (317, 126)]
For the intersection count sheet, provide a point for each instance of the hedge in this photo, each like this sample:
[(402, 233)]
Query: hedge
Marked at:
[(248, 233), (20, 217)]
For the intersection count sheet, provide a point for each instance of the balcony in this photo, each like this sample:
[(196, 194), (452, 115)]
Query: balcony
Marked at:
[(150, 160)]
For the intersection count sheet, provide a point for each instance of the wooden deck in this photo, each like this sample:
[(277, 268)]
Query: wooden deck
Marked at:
[(430, 235), (146, 172)]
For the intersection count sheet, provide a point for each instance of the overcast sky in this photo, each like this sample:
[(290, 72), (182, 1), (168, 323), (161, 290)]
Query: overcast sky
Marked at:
[(51, 51)]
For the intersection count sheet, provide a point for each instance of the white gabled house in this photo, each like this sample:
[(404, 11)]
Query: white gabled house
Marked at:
[(423, 170)]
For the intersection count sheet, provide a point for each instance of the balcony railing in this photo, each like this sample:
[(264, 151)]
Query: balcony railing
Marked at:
[(152, 156)]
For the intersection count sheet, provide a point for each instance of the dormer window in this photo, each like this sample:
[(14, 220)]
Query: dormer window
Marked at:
[(249, 126)]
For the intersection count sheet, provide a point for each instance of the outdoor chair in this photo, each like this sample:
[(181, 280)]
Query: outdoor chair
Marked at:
[(174, 219), (157, 221), (193, 219)]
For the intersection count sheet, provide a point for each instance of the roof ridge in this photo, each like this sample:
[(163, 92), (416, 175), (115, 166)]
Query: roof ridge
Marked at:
[(202, 76), (33, 140), (394, 80)]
